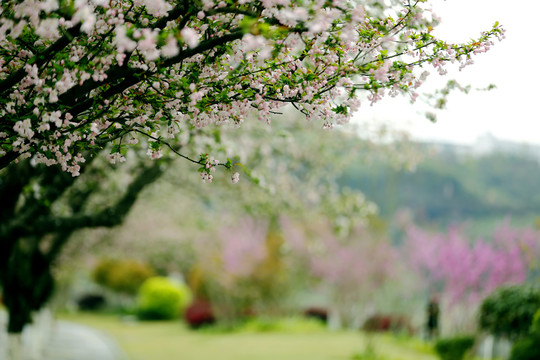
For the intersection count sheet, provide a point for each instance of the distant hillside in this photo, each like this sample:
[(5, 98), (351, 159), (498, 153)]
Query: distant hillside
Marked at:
[(454, 184)]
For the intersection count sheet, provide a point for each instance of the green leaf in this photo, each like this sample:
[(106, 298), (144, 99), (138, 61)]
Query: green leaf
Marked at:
[(247, 23)]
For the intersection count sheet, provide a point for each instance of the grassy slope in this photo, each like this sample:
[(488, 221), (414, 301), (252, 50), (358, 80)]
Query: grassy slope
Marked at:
[(171, 340)]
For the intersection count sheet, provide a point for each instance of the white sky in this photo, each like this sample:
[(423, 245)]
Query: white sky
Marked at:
[(509, 112)]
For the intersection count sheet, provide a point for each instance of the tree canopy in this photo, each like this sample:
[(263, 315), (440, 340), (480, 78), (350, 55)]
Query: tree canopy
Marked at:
[(79, 76)]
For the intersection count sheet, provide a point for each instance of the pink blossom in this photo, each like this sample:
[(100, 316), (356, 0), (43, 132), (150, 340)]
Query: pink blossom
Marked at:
[(243, 247), (86, 16), (252, 42), (190, 37), (123, 43), (171, 47), (24, 128), (468, 272), (48, 28), (156, 8), (49, 5)]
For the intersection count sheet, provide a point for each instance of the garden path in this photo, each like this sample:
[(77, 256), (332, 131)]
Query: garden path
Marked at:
[(66, 341), (71, 341)]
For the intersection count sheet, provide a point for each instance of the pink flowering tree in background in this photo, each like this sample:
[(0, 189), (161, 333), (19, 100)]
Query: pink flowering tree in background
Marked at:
[(227, 268), (462, 272), (349, 269)]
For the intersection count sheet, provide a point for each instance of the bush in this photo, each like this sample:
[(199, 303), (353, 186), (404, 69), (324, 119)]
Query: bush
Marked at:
[(381, 323), (453, 348), (317, 313), (199, 313), (91, 302), (160, 298), (535, 328), (509, 311), (527, 348), (124, 276)]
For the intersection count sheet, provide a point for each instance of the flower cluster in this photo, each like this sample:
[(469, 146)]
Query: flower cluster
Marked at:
[(467, 271), (78, 76), (208, 167)]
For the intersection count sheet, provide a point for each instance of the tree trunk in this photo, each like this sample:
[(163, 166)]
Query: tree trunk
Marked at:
[(16, 320), (26, 286), (19, 303), (334, 319), (18, 317)]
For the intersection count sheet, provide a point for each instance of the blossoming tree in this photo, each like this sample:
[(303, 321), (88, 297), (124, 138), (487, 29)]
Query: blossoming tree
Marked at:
[(350, 269), (463, 272), (78, 75)]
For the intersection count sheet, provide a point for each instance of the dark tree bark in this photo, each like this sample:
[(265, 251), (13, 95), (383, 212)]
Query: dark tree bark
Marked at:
[(27, 284), (32, 236)]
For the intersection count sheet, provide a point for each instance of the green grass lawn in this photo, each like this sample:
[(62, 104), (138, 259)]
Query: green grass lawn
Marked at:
[(172, 340)]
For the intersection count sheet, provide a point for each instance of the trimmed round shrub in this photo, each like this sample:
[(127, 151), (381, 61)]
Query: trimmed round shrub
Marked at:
[(161, 298), (124, 276), (509, 311), (454, 348)]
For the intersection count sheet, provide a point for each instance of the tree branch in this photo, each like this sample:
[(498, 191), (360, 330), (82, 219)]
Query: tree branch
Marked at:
[(109, 217), (133, 76), (41, 58), (8, 158)]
